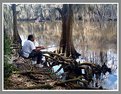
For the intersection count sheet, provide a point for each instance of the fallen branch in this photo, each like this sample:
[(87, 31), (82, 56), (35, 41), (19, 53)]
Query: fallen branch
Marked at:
[(72, 80), (63, 58), (87, 63), (46, 86), (31, 72)]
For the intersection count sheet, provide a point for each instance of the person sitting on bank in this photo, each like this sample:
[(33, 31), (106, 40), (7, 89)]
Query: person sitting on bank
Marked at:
[(30, 51)]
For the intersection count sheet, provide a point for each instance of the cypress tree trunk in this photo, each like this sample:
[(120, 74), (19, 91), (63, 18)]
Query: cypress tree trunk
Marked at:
[(66, 42)]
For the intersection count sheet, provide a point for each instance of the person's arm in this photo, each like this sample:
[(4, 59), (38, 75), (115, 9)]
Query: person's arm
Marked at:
[(40, 47)]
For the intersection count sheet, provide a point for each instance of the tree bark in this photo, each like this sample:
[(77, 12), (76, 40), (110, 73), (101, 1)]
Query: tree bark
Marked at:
[(16, 37), (66, 42)]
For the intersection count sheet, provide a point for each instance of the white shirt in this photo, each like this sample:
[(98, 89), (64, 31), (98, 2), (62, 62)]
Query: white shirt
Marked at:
[(27, 48)]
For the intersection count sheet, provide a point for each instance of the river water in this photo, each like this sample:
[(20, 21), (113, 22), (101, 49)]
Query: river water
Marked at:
[(95, 42)]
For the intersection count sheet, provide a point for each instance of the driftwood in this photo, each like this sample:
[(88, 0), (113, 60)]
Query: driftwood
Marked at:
[(88, 64), (72, 67), (75, 77), (60, 58), (72, 80)]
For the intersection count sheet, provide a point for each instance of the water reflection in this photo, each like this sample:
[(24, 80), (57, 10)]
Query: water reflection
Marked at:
[(89, 39)]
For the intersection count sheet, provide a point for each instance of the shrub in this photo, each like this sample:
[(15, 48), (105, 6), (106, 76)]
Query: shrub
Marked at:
[(8, 68), (7, 44)]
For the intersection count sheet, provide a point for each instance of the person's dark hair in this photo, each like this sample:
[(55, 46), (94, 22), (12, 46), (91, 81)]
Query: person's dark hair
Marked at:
[(30, 37)]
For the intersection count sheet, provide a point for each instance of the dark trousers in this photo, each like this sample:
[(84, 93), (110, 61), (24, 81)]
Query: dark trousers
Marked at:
[(36, 54)]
